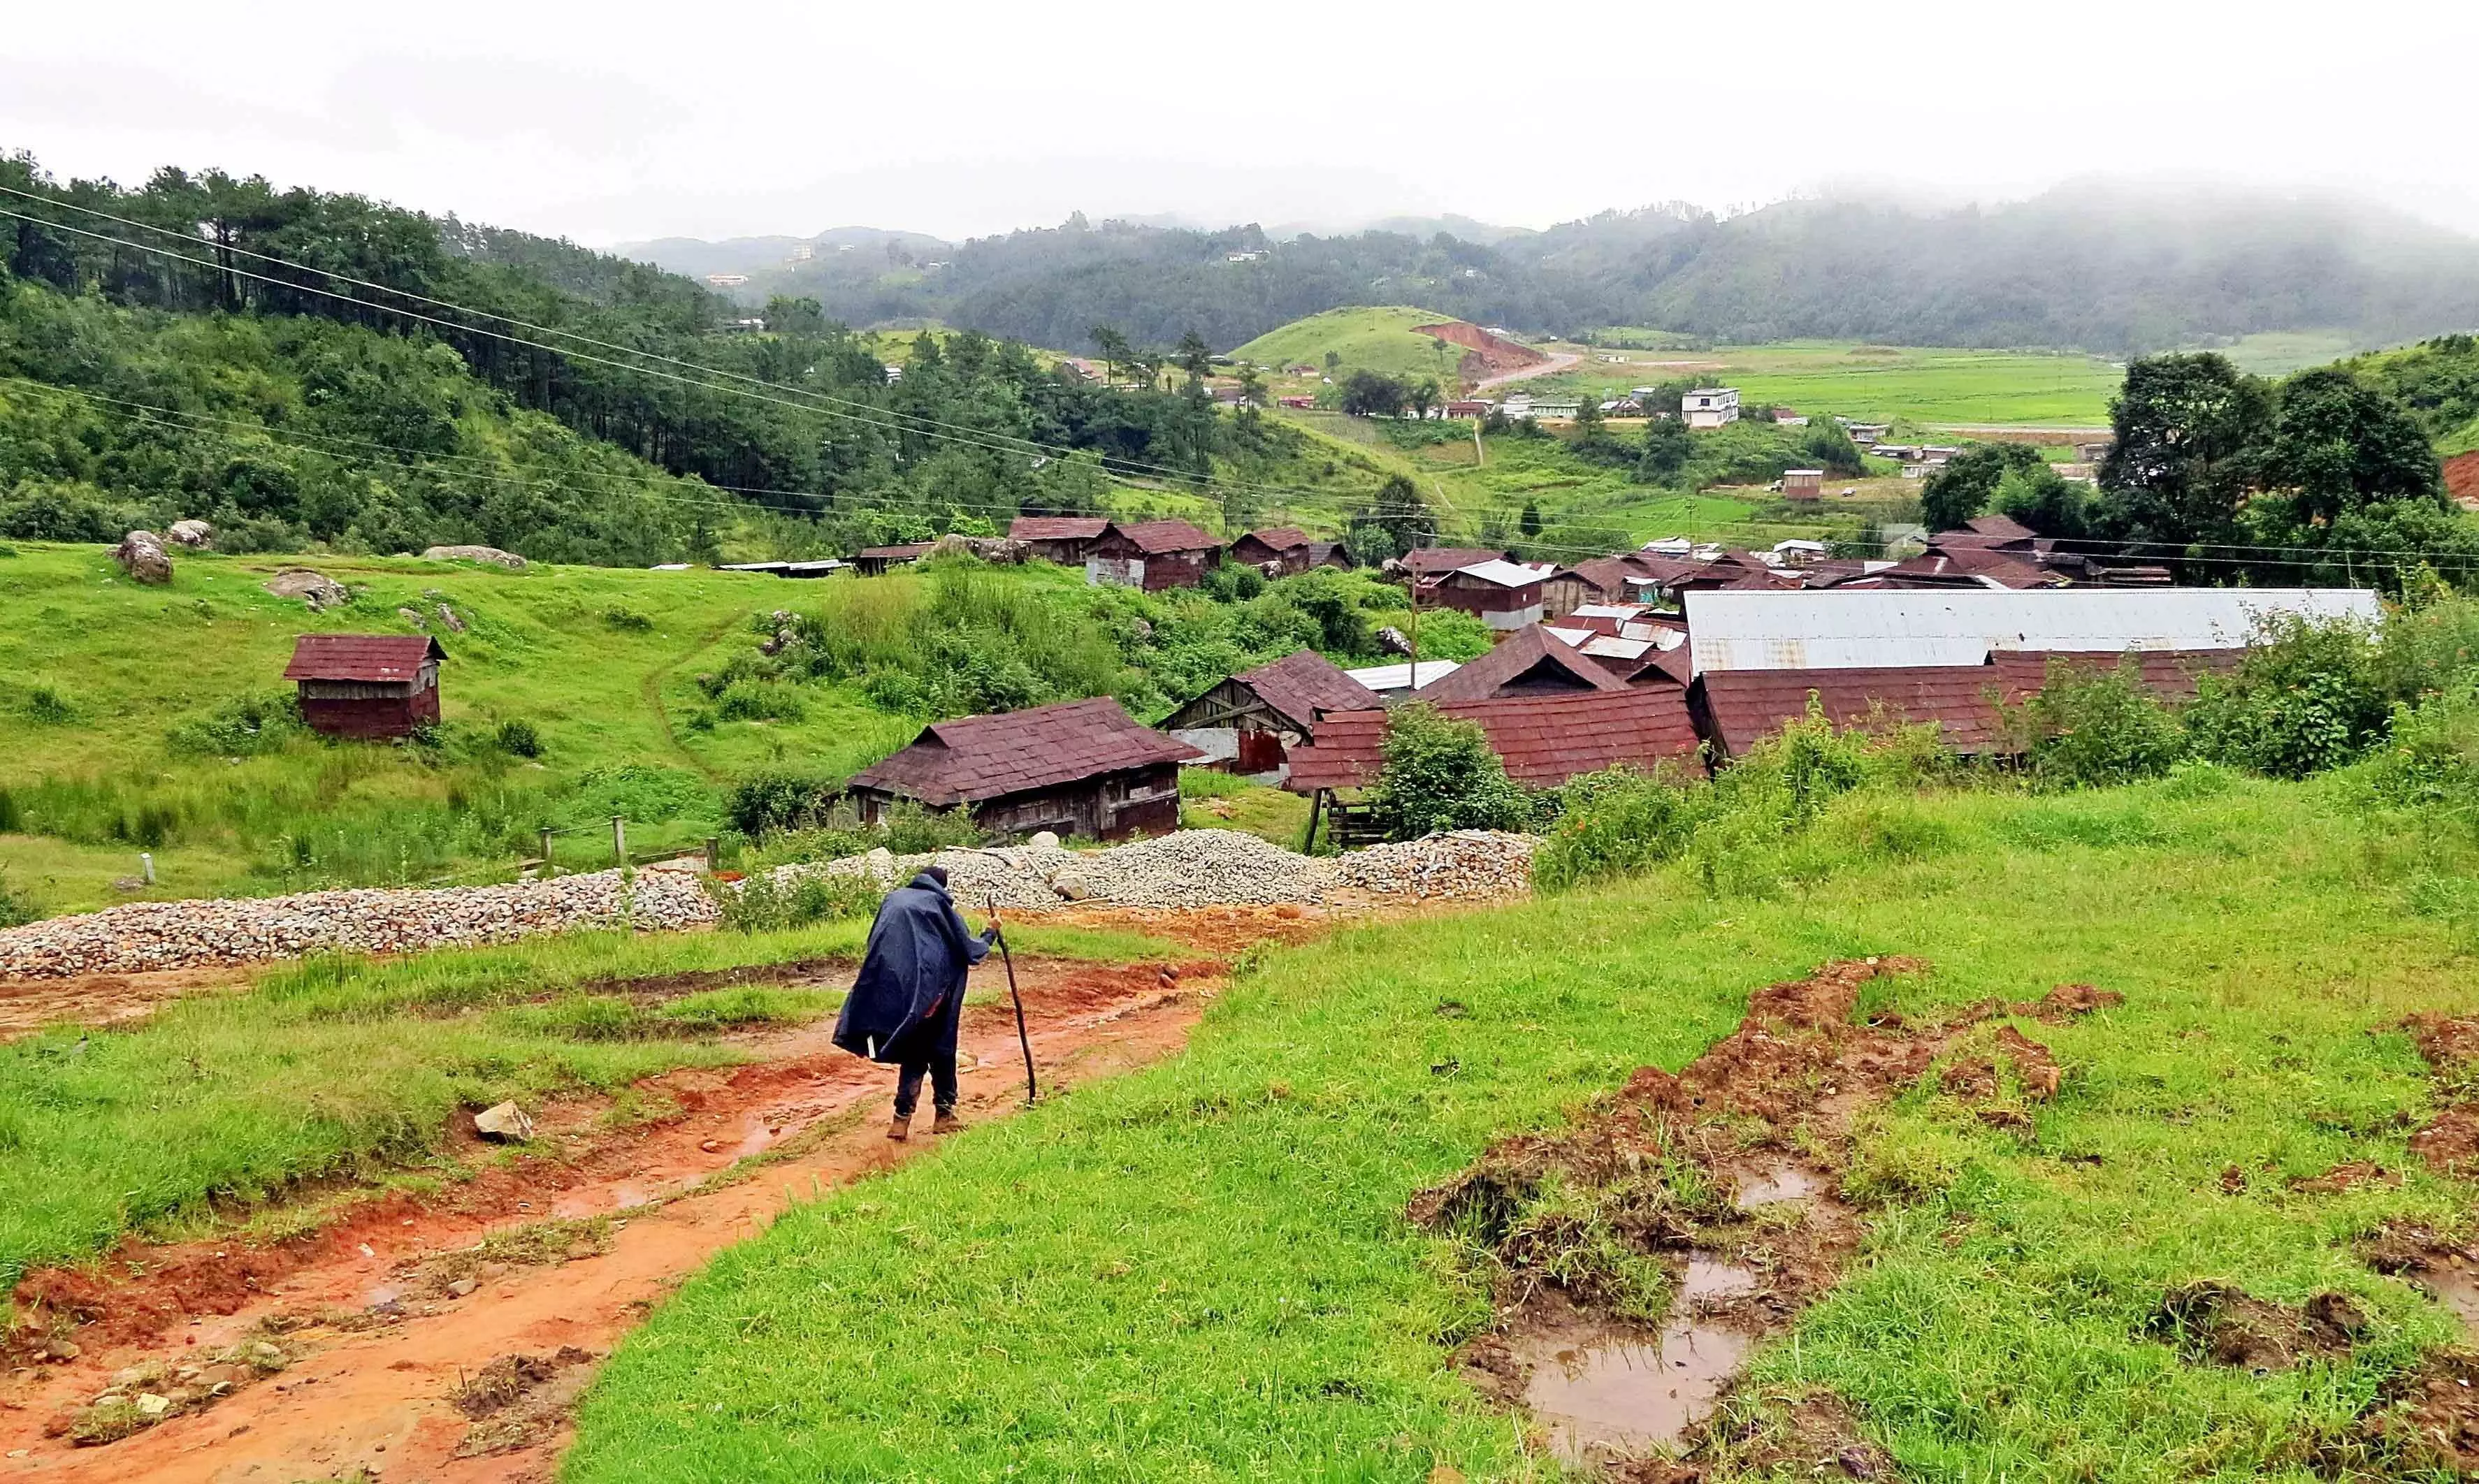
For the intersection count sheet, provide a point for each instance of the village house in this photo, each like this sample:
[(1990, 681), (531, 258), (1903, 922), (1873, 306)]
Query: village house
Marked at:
[(1528, 661), (1061, 539), (1803, 484), (874, 561), (1784, 417), (1151, 555), (1430, 563), (1392, 682), (367, 686), (1503, 595), (1077, 767), (1278, 552), (1297, 404), (1710, 407), (1246, 723), (1467, 407)]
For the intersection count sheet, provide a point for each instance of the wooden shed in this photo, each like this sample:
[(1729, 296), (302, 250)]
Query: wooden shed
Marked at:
[(366, 685), (1077, 767), (874, 561), (1279, 552), (1151, 555), (1248, 721), (1061, 539), (1503, 595)]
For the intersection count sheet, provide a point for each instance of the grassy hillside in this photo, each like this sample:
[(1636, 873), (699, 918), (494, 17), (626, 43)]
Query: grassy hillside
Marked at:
[(1385, 341), (1882, 383), (1204, 1269), (153, 719)]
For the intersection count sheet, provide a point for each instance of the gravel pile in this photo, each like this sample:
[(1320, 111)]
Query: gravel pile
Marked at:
[(1209, 868), (1460, 863), (141, 936)]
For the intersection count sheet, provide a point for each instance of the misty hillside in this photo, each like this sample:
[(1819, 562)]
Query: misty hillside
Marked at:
[(2092, 266)]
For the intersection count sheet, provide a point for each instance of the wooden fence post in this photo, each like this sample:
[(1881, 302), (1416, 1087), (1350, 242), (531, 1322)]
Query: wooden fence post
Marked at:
[(619, 841)]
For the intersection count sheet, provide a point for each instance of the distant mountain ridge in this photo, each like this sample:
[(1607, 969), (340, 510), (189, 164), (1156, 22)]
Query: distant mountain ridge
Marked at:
[(2092, 266)]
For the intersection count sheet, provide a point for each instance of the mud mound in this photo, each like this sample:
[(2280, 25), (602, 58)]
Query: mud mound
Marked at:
[(518, 1400), (1815, 1436), (2222, 1323), (2462, 479), (1998, 1087), (2429, 1419)]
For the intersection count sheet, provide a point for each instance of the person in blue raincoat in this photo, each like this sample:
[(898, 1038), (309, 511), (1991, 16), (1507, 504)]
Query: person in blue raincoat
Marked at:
[(908, 1003)]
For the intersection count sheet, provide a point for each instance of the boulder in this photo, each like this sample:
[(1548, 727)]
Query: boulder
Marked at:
[(998, 549), (143, 557), (505, 1123), (448, 617), (195, 533), (1391, 640), (316, 588), (412, 616), (491, 554)]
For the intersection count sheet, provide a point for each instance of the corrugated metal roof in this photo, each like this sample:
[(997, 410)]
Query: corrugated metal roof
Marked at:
[(975, 758), (1527, 660), (1840, 629), (1056, 528), (1578, 638), (1428, 561), (1741, 707), (1383, 678), (1544, 739), (1304, 683), (373, 659), (1158, 538), (1502, 573), (2168, 673), (1282, 537)]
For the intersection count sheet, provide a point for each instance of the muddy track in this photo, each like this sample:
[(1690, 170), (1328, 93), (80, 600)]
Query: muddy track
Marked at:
[(442, 1341)]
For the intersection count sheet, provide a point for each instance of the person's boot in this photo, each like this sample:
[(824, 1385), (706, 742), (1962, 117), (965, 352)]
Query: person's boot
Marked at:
[(900, 1128), (947, 1123)]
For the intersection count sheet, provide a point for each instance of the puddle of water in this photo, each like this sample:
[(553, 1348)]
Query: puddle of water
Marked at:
[(2458, 1290), (1622, 1397), (1774, 1186), (628, 1197), (1710, 1277), (755, 1140)]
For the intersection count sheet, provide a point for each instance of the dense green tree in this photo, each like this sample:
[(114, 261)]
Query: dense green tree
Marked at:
[(2039, 498), (2338, 443), (1968, 482), (1370, 394), (1668, 445), (1423, 395), (2190, 433), (1529, 526), (1395, 520), (1193, 356)]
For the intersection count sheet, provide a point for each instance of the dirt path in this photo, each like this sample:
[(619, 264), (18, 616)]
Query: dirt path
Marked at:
[(1559, 360), (408, 1354), (27, 1005), (651, 688)]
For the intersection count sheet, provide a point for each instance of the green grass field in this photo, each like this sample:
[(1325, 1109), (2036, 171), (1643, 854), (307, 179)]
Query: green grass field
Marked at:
[(1386, 340), (1880, 382), (346, 1067), (1204, 1270)]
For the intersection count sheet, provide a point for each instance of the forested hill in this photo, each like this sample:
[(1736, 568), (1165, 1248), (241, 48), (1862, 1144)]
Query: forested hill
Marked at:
[(194, 357), (2117, 271)]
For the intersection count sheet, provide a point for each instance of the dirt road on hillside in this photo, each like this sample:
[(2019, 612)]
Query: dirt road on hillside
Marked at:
[(442, 1340), (1559, 360)]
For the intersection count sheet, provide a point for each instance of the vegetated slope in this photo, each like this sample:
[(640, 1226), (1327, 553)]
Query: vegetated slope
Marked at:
[(799, 420), (2090, 266), (1386, 340), (1205, 1269), (156, 718), (2438, 380)]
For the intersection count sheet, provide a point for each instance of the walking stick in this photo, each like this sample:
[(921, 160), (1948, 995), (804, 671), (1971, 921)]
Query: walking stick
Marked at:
[(1021, 1039)]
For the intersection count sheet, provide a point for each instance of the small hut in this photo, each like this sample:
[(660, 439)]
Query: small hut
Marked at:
[(1246, 722), (1077, 767), (366, 685), (1061, 539)]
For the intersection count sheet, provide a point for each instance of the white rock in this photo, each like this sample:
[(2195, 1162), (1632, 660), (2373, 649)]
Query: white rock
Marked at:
[(506, 1123)]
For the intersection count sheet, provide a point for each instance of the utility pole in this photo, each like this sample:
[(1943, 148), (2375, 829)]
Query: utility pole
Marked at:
[(1480, 455)]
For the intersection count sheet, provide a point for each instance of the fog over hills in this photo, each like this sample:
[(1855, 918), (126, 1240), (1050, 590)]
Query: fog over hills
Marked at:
[(2097, 265)]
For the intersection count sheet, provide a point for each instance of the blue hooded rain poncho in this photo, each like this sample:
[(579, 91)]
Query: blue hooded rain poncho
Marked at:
[(908, 1002)]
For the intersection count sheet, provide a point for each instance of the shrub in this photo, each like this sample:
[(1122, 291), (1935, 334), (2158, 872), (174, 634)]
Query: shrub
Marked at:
[(645, 791), (240, 726), (763, 903), (1618, 823), (626, 620), (2310, 696), (759, 700), (518, 739), (2431, 762), (2100, 727), (1440, 774), (773, 800), (16, 906), (41, 703)]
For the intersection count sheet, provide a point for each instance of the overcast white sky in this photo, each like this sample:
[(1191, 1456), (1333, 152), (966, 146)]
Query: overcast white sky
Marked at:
[(623, 120)]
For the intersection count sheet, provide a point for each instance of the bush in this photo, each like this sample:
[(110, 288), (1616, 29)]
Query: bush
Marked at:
[(626, 620), (774, 799), (764, 904), (518, 739), (2100, 727), (2307, 697), (240, 726), (2430, 763), (1618, 823), (15, 907), (1440, 774), (759, 700)]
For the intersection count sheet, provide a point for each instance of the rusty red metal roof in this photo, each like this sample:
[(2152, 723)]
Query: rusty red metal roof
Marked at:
[(1056, 528), (1304, 684), (972, 759), (1740, 708), (1527, 661), (1282, 537), (374, 659), (1435, 561), (1160, 537), (2167, 673), (1544, 739)]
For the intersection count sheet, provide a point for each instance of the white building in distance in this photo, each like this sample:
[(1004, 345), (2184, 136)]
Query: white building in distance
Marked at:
[(1710, 407)]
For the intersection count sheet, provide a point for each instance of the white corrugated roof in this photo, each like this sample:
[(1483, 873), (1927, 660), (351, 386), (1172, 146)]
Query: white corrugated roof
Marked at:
[(1570, 638), (1603, 646), (1608, 610), (1382, 678), (1829, 630), (1505, 573)]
